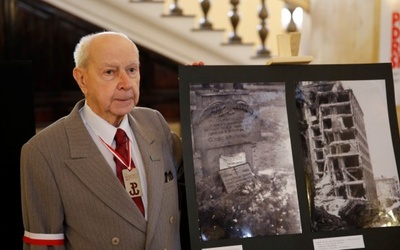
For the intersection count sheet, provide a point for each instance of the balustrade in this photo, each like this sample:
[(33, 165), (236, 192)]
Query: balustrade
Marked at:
[(234, 17), (291, 27), (263, 31), (174, 9), (234, 20), (205, 7)]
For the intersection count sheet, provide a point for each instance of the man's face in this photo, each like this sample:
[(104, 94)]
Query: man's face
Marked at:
[(111, 80)]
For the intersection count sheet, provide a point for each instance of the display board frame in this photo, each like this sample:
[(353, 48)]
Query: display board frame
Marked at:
[(210, 91)]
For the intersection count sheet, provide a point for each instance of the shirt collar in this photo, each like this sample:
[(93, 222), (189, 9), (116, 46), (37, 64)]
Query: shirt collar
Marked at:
[(102, 128)]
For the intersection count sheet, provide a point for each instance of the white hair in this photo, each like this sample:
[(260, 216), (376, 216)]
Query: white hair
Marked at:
[(81, 52)]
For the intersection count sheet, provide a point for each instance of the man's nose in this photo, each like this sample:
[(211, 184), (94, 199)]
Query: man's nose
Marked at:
[(124, 80)]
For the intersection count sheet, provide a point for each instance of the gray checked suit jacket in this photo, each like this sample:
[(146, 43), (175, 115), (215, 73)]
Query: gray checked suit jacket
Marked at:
[(67, 187)]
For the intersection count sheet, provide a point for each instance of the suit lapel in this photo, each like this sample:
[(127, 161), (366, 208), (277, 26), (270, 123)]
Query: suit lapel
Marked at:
[(150, 149)]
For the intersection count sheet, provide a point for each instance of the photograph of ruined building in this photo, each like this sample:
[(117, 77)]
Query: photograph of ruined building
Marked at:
[(337, 160)]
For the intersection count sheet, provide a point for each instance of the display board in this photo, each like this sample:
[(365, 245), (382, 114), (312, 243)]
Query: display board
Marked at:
[(291, 157)]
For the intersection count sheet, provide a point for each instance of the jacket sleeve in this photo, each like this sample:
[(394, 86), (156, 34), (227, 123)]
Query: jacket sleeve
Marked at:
[(41, 205)]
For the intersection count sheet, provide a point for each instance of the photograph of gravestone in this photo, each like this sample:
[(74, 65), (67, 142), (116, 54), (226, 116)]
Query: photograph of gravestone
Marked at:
[(242, 159), (348, 154)]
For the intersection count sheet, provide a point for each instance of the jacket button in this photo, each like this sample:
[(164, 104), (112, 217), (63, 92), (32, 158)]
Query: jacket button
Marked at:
[(115, 241), (171, 219)]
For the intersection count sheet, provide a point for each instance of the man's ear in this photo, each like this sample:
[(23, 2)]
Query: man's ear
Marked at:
[(78, 76)]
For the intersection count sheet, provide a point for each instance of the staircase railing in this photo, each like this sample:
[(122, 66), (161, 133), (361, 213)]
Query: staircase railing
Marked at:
[(165, 27), (234, 37)]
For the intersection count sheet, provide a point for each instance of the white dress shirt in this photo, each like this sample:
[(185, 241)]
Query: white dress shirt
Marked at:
[(103, 132)]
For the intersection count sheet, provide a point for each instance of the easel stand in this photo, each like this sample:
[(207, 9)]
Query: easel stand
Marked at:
[(288, 50)]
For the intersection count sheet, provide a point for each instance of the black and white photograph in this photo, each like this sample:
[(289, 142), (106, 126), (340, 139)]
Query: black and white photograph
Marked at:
[(348, 154), (245, 182)]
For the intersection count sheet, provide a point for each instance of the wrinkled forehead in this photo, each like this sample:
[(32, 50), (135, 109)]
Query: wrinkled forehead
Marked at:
[(113, 48)]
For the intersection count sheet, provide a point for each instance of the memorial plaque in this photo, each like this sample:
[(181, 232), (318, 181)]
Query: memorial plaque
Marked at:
[(227, 161), (233, 177), (225, 122)]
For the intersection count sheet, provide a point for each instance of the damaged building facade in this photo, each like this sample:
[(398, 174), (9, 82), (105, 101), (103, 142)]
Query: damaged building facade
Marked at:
[(337, 142)]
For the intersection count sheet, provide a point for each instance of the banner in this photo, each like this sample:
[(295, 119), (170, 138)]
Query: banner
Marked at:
[(389, 43)]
